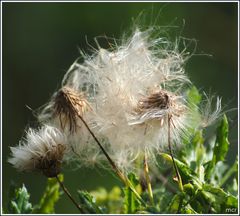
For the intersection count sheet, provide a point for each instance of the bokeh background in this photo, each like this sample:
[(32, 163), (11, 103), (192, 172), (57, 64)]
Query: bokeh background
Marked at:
[(41, 41)]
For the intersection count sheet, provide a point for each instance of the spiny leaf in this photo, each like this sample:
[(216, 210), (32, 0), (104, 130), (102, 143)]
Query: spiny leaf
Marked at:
[(220, 148), (131, 203), (88, 203), (219, 199), (50, 197), (222, 143), (20, 203)]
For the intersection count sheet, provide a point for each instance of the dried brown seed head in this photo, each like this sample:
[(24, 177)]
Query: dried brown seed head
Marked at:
[(158, 105), (50, 163), (68, 104), (156, 100)]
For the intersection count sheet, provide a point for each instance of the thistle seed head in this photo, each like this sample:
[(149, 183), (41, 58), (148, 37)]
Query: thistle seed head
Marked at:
[(156, 100), (41, 150), (67, 105)]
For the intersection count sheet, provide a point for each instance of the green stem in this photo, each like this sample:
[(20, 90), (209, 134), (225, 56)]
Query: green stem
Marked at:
[(69, 195), (122, 177), (148, 181), (171, 153)]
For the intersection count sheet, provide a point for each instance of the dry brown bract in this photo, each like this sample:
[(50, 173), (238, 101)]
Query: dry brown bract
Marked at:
[(155, 100), (50, 163), (68, 105)]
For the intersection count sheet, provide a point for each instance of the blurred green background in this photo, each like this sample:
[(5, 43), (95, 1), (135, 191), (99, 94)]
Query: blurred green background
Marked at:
[(41, 40)]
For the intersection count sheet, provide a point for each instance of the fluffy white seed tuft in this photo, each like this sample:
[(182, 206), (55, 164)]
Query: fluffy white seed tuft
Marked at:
[(41, 150), (117, 82)]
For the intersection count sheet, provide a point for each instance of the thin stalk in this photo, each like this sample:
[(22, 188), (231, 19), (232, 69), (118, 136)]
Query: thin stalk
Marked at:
[(171, 153), (69, 195), (122, 177), (147, 177)]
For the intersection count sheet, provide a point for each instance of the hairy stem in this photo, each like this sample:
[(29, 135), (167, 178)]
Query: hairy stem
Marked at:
[(171, 153), (147, 177), (69, 195)]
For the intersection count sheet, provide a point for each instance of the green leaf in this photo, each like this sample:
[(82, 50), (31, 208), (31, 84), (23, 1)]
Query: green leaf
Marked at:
[(49, 197), (194, 97), (222, 143), (193, 153), (188, 210), (186, 173), (233, 187), (131, 203), (220, 148), (219, 199), (176, 204), (88, 203), (20, 203), (162, 198)]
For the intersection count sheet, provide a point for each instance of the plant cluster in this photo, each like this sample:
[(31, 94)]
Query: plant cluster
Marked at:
[(124, 108)]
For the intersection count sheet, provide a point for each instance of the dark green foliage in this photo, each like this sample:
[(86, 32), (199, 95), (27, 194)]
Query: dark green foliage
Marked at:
[(209, 183), (131, 203), (220, 148), (20, 203)]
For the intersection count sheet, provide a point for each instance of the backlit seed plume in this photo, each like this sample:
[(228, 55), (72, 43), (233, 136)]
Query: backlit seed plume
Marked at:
[(136, 89), (209, 114), (133, 89), (64, 107), (42, 150)]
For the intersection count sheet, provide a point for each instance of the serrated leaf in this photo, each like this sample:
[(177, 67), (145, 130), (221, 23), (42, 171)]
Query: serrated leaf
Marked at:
[(131, 203), (219, 199), (88, 203), (222, 143), (194, 152), (20, 203), (50, 197), (220, 148)]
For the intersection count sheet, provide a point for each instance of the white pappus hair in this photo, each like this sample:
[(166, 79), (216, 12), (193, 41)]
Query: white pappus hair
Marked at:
[(41, 150), (118, 81)]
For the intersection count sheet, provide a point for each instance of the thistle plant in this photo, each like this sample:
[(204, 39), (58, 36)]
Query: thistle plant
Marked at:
[(128, 109)]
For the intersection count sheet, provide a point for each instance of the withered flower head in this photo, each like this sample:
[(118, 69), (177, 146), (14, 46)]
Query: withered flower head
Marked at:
[(159, 105), (156, 100), (41, 150), (66, 105)]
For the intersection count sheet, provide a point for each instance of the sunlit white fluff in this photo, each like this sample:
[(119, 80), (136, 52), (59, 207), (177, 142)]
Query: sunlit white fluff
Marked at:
[(123, 86), (210, 114), (115, 81), (41, 150)]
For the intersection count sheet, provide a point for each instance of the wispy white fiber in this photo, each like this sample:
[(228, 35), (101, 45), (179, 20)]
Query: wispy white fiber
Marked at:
[(41, 150), (129, 96), (116, 80)]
